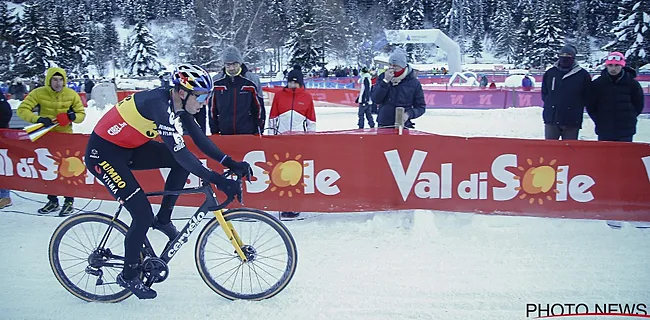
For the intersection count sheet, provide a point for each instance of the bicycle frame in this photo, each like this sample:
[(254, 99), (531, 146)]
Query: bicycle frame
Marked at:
[(210, 204)]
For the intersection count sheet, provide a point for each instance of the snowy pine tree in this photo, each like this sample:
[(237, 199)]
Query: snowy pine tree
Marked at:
[(305, 49), (37, 43), (204, 53), (549, 37), (567, 14), (631, 32), (143, 53), (459, 19), (276, 23), (8, 40), (74, 46), (476, 47), (583, 44), (639, 53), (437, 12), (504, 42), (106, 43), (600, 17), (525, 37), (411, 17), (488, 10), (99, 58)]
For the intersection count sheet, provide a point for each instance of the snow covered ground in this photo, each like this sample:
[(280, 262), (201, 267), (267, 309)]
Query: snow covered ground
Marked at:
[(384, 265)]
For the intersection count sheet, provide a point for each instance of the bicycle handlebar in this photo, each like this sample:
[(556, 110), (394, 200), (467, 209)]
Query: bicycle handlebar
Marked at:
[(206, 188)]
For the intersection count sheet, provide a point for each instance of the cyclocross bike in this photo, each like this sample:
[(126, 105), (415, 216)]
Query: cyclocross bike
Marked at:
[(240, 254)]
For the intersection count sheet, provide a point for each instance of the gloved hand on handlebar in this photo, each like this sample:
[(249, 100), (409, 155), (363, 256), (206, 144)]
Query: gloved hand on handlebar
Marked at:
[(230, 187), (242, 169)]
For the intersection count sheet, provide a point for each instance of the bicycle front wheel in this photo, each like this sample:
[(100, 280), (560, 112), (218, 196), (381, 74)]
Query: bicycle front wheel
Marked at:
[(81, 266), (269, 247)]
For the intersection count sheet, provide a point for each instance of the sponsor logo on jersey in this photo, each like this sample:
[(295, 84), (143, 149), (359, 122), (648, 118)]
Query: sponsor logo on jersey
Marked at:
[(114, 130), (111, 178)]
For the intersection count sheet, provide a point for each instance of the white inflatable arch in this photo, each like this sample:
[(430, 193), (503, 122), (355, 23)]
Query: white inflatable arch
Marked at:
[(429, 36)]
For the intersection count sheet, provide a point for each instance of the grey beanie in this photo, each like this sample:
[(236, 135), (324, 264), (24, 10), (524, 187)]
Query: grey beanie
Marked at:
[(231, 54), (569, 49), (398, 58)]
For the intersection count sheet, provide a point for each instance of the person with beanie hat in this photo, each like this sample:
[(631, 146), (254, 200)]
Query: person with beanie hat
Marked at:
[(617, 100), (295, 75), (231, 55), (292, 111), (57, 102), (237, 104), (365, 104), (565, 91), (398, 86)]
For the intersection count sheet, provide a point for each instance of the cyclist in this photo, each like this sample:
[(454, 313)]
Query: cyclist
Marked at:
[(122, 141)]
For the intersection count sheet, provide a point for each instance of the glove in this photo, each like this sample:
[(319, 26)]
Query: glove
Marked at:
[(63, 119), (230, 187), (45, 121), (242, 169), (71, 114)]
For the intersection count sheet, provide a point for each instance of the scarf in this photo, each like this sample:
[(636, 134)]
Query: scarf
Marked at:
[(396, 80)]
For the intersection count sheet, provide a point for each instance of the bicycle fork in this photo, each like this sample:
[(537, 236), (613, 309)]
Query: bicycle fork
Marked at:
[(231, 233)]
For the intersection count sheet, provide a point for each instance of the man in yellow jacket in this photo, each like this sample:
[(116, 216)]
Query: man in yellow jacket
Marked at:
[(54, 98)]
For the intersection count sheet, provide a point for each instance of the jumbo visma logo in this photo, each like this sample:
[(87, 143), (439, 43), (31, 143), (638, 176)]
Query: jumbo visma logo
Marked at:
[(112, 180), (536, 182)]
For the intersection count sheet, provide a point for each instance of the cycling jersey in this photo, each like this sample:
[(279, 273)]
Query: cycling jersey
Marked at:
[(145, 115)]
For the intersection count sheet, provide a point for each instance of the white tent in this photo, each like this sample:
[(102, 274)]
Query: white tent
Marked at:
[(429, 36)]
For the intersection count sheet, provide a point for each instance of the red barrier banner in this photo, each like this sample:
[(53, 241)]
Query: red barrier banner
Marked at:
[(379, 170)]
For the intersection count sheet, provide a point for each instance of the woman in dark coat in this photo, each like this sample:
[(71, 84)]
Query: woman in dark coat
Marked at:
[(617, 101)]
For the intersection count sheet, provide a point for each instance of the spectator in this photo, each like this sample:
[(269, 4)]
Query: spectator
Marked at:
[(165, 83), (237, 103), (527, 83), (55, 101), (88, 87), (398, 87), (4, 87), (365, 104), (493, 86), (616, 101), (5, 116), (17, 89), (292, 110), (483, 81), (565, 92)]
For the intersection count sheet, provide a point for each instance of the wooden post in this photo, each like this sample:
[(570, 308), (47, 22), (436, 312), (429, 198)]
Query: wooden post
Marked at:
[(399, 119)]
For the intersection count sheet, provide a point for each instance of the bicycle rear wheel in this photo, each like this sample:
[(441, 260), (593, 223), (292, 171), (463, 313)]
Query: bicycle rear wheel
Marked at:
[(271, 251), (86, 271)]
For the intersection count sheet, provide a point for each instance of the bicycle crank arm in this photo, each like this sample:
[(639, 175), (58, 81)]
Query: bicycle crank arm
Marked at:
[(227, 228)]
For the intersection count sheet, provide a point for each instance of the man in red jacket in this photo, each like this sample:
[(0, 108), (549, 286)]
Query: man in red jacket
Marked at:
[(292, 110)]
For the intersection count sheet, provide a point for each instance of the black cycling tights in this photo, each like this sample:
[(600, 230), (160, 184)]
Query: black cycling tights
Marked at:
[(112, 165)]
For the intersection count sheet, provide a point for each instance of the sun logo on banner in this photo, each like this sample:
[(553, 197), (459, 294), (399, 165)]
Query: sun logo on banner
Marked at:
[(70, 167), (538, 180), (286, 174)]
